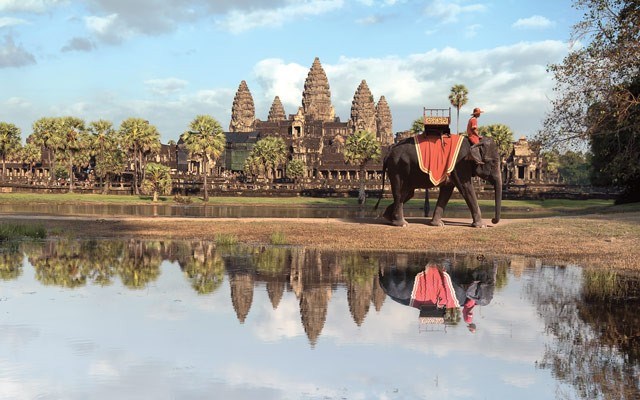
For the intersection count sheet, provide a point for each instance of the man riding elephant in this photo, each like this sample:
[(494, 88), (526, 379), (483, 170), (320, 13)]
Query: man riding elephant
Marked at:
[(403, 166)]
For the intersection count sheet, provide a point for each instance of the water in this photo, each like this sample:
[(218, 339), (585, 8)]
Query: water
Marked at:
[(189, 320), (241, 211)]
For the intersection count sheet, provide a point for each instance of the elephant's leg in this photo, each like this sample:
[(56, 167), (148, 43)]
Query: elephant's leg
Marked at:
[(394, 212), (465, 186), (406, 194), (443, 199)]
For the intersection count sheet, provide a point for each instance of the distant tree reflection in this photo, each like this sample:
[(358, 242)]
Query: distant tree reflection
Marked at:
[(202, 266), (10, 261), (592, 317)]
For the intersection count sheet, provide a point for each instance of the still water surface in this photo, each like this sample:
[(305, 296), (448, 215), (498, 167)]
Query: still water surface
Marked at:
[(189, 320), (241, 211)]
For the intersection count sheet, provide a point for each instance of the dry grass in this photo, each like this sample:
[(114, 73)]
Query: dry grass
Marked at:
[(605, 241)]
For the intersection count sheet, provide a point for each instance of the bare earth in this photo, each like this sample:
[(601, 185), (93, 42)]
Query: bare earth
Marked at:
[(604, 241)]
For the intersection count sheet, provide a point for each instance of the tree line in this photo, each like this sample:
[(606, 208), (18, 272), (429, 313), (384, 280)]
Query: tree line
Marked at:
[(70, 145)]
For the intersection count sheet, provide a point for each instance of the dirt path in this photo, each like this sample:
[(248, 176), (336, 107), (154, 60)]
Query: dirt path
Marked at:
[(605, 241)]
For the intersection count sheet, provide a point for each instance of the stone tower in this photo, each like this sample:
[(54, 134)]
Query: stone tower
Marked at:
[(384, 130), (363, 109), (316, 97), (243, 111), (276, 113)]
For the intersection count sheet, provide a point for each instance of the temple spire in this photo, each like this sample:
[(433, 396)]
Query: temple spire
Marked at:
[(243, 111), (384, 122), (316, 97), (363, 109), (276, 113)]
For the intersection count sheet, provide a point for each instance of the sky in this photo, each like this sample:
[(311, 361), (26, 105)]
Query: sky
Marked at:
[(168, 61)]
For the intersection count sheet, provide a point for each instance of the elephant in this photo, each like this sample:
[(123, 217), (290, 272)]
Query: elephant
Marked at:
[(405, 175)]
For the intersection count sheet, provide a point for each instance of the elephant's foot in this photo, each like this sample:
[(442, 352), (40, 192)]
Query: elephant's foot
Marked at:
[(435, 222), (479, 224), (388, 214), (399, 222)]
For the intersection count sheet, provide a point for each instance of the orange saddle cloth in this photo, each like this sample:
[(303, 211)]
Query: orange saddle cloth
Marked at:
[(437, 155)]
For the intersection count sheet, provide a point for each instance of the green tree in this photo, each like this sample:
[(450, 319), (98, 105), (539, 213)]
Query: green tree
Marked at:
[(574, 167), (360, 148), (458, 98), (295, 169), (47, 135), (31, 154), (106, 151), (74, 149), (598, 87), (502, 135), (551, 160), (204, 140), (157, 180), (252, 166), (9, 142), (140, 139), (270, 152), (417, 127)]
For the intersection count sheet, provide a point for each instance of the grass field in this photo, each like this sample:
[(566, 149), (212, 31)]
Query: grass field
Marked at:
[(562, 206)]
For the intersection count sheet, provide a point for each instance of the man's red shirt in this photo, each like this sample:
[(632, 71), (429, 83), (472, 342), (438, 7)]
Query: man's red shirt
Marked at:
[(472, 128)]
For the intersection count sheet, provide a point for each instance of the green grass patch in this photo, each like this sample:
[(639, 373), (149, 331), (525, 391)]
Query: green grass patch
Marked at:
[(278, 238), (226, 239), (21, 231), (553, 206)]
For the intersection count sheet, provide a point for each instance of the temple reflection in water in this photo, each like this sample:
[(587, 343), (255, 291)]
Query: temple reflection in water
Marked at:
[(312, 275), (590, 317)]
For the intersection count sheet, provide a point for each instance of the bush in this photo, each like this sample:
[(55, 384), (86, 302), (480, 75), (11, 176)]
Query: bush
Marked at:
[(278, 238), (224, 239), (178, 198), (17, 231)]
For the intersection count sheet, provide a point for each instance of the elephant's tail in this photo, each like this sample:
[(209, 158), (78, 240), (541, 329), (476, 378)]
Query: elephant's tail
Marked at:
[(384, 169)]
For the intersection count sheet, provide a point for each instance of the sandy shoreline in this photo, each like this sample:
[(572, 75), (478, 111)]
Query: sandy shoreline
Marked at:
[(603, 241)]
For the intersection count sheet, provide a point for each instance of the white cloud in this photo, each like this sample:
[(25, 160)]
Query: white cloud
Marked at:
[(166, 86), (109, 29), (369, 20), (238, 21), (78, 44), (534, 22), (12, 55), (276, 78), (448, 11), (37, 6), (8, 21)]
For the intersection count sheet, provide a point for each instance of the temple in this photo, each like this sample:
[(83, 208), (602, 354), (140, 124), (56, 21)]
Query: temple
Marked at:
[(313, 134)]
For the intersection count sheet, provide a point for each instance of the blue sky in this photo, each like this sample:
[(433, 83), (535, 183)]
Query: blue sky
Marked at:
[(170, 60)]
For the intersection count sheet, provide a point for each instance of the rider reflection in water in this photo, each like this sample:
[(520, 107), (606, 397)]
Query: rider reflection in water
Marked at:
[(439, 293)]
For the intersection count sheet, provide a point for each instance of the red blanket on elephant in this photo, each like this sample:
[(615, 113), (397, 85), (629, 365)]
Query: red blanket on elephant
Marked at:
[(437, 155)]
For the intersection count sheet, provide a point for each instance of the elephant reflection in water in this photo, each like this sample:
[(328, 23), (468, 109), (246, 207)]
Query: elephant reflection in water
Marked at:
[(440, 294)]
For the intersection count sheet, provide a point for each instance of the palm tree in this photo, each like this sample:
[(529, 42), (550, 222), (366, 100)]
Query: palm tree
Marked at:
[(46, 134), (140, 139), (158, 180), (271, 152), (458, 98), (360, 148), (417, 127), (205, 140), (295, 169), (74, 149), (9, 142), (106, 151), (502, 135), (31, 154)]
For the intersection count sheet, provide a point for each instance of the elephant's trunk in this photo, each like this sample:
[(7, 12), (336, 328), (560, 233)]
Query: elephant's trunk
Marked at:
[(498, 192)]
